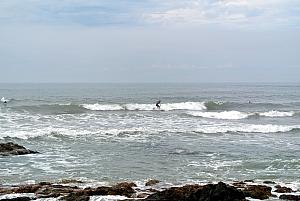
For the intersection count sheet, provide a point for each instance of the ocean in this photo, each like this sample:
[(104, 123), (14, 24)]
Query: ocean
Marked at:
[(106, 133)]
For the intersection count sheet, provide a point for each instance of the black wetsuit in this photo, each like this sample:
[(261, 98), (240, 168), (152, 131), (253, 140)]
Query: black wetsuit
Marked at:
[(158, 104)]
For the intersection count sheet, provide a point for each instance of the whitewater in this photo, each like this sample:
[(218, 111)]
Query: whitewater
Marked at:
[(114, 132)]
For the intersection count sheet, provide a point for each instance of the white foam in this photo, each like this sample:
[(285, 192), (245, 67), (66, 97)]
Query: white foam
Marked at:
[(275, 113), (16, 195), (107, 198), (104, 107), (147, 107), (246, 128), (184, 106), (220, 115)]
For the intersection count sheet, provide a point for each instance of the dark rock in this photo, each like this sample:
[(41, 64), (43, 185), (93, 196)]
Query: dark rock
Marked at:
[(30, 188), (54, 191), (44, 183), (174, 193), (217, 192), (75, 197), (290, 197), (17, 199), (269, 182), (124, 189), (210, 192), (14, 149), (258, 191), (282, 189), (152, 190), (152, 182), (250, 181)]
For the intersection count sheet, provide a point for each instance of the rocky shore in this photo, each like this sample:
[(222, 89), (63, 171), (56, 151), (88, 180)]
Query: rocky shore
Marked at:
[(67, 190), (73, 190)]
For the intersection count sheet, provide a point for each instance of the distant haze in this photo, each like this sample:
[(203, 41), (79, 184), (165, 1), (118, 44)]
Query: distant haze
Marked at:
[(150, 41)]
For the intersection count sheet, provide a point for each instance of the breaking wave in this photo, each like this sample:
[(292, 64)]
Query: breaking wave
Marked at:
[(144, 132), (274, 113), (147, 107), (239, 115), (248, 128), (220, 115)]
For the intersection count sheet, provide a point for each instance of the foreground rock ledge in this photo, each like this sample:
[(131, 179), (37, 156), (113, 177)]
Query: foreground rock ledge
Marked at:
[(14, 149), (195, 192)]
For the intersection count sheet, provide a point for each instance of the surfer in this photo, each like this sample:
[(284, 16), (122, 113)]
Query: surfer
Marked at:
[(3, 100), (158, 104)]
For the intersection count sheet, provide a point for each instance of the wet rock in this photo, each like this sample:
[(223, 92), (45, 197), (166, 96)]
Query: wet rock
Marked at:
[(210, 192), (17, 199), (152, 190), (142, 195), (152, 182), (290, 197), (30, 188), (282, 189), (269, 182), (220, 192), (14, 149), (249, 181), (75, 197), (44, 183), (258, 191), (174, 193), (54, 191), (123, 189)]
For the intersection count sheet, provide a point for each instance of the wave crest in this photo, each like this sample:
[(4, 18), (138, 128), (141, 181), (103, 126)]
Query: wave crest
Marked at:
[(146, 107), (221, 115), (274, 113), (239, 115)]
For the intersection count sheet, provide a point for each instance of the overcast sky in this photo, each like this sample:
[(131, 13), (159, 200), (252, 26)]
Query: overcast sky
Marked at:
[(150, 41)]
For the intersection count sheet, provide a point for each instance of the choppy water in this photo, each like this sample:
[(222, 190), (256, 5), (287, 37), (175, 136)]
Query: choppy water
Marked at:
[(112, 132)]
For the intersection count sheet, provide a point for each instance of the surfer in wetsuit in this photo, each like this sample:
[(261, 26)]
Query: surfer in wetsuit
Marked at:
[(3, 100), (158, 104)]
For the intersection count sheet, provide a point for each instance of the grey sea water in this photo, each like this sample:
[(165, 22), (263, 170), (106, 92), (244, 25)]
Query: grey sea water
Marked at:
[(113, 132)]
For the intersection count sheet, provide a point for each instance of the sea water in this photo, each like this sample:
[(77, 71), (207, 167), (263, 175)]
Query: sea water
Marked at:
[(107, 133)]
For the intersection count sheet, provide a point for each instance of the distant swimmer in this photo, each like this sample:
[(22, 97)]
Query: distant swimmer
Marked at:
[(3, 100), (158, 104), (249, 102)]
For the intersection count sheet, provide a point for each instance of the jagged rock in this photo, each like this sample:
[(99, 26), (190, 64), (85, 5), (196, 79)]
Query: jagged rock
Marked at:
[(14, 149), (258, 191), (290, 197), (217, 192), (152, 182), (210, 192), (282, 189)]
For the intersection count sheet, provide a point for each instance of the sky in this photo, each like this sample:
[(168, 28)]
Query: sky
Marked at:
[(150, 41)]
